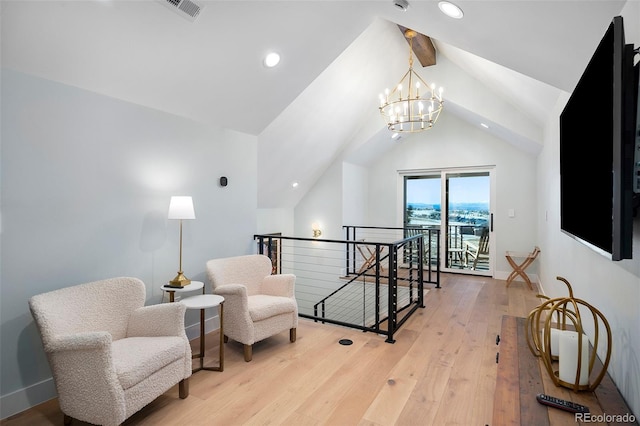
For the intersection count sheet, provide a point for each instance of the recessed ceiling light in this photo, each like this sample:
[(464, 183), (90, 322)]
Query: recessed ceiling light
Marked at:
[(484, 125), (271, 60), (450, 10), (294, 185), (395, 135)]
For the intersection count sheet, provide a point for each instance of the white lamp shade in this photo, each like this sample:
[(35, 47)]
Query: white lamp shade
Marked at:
[(181, 207)]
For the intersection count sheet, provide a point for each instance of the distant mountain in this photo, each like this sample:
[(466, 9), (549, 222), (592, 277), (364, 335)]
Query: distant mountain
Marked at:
[(454, 206), (470, 206), (423, 206)]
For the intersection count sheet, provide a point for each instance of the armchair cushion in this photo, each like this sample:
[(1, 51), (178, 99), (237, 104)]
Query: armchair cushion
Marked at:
[(137, 358), (262, 306)]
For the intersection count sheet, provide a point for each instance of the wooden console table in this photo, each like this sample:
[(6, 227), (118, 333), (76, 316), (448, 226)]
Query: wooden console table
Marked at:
[(521, 376)]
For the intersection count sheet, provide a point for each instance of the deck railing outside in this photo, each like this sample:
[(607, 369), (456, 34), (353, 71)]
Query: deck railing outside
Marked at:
[(373, 283)]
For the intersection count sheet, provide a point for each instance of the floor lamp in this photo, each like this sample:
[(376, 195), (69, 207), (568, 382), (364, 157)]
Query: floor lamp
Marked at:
[(181, 207)]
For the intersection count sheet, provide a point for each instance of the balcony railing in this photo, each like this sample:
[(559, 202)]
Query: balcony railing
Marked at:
[(373, 283)]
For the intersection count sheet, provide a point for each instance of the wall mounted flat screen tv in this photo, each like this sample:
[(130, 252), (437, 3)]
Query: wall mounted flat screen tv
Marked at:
[(597, 143)]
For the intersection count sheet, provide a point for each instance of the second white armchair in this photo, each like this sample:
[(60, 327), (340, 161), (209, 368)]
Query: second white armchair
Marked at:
[(257, 304), (109, 354)]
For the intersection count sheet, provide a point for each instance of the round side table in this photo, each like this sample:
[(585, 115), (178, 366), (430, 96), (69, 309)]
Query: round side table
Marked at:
[(203, 301), (195, 285)]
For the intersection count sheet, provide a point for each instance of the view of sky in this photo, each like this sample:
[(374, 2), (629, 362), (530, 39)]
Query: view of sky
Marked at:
[(467, 189)]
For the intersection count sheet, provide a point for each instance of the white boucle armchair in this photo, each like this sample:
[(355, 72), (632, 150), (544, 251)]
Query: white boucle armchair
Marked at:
[(257, 304), (110, 355)]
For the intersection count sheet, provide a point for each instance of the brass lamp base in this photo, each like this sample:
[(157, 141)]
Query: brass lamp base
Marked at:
[(179, 281)]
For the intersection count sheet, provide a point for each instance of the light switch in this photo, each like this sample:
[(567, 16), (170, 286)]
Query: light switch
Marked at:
[(511, 213)]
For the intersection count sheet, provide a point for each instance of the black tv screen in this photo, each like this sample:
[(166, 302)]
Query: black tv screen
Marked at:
[(596, 149)]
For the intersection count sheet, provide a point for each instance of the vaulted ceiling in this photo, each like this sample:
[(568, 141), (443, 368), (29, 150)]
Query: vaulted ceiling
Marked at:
[(505, 63)]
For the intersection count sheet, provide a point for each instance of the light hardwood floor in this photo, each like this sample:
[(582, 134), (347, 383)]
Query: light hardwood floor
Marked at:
[(441, 370)]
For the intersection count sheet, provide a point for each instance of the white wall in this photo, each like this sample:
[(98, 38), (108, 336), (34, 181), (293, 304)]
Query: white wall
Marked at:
[(322, 204), (612, 287), (86, 183), (275, 220), (454, 143), (355, 194), (451, 143)]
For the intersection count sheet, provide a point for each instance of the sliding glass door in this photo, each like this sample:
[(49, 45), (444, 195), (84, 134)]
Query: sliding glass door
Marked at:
[(458, 203)]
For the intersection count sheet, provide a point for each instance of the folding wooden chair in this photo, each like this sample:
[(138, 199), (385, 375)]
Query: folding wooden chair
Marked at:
[(479, 251), (369, 257), (519, 269)]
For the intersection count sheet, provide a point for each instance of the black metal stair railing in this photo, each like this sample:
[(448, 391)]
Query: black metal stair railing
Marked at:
[(365, 284)]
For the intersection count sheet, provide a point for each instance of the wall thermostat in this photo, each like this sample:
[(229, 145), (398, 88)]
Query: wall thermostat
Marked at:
[(223, 181)]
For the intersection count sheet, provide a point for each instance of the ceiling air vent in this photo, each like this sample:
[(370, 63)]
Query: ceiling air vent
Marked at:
[(188, 9)]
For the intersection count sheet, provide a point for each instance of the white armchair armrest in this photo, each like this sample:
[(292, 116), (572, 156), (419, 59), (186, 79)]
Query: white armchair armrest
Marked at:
[(236, 312), (231, 290), (279, 285), (100, 340), (235, 297), (166, 319), (83, 363)]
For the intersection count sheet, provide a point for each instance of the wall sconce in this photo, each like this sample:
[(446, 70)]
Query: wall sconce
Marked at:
[(316, 230)]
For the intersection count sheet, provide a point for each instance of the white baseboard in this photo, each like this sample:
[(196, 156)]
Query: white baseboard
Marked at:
[(25, 398)]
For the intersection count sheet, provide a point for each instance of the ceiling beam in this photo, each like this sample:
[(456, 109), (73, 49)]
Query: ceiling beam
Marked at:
[(423, 48)]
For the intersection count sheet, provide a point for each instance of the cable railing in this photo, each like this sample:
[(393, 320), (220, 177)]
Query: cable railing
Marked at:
[(368, 284), (431, 243)]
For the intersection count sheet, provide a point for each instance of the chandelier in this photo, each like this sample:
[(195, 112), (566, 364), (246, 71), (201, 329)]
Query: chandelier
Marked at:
[(413, 105)]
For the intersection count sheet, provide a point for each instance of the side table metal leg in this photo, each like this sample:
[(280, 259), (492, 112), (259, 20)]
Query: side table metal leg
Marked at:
[(220, 367), (201, 339), (221, 315)]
